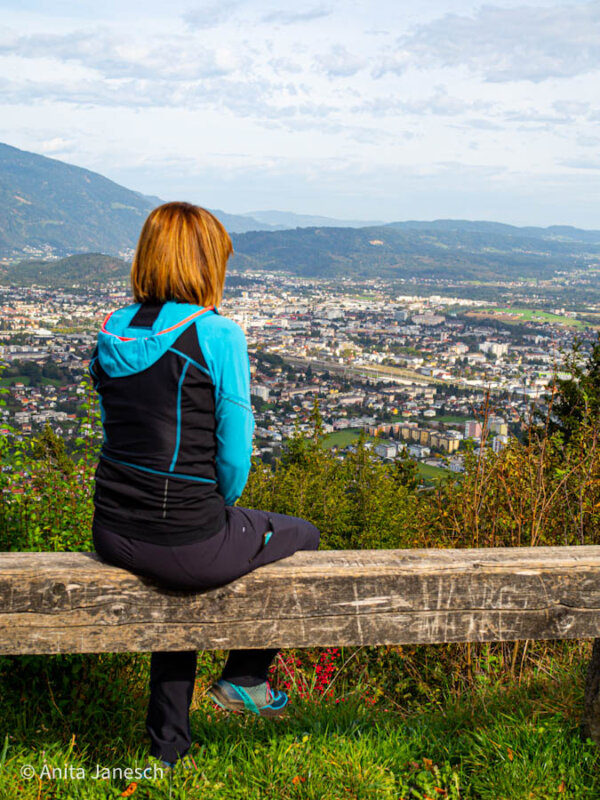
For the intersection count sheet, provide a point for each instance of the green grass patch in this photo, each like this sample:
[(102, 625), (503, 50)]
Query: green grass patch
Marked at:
[(341, 438), (534, 315), (493, 742), (24, 379), (432, 473)]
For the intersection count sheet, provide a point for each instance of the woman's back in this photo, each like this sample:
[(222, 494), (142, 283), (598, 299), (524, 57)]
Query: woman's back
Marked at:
[(168, 459)]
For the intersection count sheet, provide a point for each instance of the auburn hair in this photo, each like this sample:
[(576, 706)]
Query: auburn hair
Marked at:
[(181, 255)]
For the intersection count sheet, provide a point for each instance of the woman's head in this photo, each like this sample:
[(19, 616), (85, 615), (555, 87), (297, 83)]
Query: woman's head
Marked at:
[(181, 255)]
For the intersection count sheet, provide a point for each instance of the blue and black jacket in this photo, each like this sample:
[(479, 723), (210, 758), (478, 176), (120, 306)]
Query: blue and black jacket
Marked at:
[(174, 386)]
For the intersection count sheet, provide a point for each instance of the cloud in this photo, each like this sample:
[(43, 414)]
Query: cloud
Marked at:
[(522, 43), (440, 103), (119, 56), (339, 63), (57, 145), (251, 98), (588, 141), (291, 17), (211, 14), (286, 65), (574, 108), (580, 163)]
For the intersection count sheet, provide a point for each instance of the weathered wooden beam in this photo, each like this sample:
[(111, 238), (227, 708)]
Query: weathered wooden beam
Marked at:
[(73, 602)]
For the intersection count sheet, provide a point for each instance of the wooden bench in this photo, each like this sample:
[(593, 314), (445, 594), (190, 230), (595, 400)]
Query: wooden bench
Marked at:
[(75, 603)]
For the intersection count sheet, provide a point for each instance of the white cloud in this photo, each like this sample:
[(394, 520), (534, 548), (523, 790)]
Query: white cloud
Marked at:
[(439, 103), (211, 14), (291, 17), (56, 145), (286, 65), (504, 44), (581, 164), (119, 56), (339, 63)]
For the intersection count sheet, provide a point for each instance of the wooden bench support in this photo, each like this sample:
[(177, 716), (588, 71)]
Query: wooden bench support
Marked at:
[(75, 603)]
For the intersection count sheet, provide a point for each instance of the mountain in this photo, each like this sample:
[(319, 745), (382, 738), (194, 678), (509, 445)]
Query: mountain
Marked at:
[(282, 220), (448, 249), (48, 207), (241, 223), (53, 207), (564, 233)]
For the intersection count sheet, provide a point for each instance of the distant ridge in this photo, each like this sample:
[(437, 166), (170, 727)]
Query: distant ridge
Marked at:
[(566, 233), (282, 220), (440, 249)]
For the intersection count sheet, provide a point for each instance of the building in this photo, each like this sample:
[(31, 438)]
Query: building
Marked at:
[(497, 349), (261, 392), (499, 443), (498, 425), (418, 451), (428, 319), (473, 429), (386, 449)]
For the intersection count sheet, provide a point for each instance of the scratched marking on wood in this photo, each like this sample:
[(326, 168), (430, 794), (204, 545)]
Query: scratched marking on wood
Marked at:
[(73, 602)]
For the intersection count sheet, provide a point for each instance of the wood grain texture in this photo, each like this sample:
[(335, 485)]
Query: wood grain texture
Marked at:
[(74, 602)]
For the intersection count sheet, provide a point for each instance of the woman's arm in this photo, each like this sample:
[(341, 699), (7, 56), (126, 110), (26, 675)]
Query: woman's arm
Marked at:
[(225, 350)]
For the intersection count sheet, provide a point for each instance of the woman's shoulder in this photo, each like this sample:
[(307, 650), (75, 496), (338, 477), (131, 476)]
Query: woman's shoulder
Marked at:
[(217, 325)]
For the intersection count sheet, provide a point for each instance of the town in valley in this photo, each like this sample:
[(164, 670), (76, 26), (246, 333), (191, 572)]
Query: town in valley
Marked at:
[(422, 369)]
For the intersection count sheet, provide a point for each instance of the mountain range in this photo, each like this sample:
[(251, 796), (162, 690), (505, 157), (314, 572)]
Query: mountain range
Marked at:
[(51, 209)]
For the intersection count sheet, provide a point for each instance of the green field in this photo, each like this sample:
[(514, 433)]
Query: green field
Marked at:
[(432, 474), (24, 379), (341, 438), (533, 315)]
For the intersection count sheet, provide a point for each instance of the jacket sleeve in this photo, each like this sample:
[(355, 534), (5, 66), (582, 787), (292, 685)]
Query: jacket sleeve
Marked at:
[(227, 358)]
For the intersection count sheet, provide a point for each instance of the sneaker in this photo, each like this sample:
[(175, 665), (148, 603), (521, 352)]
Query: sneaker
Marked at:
[(186, 763), (150, 769), (259, 699)]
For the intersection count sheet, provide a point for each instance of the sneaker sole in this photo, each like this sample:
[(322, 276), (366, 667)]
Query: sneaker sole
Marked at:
[(237, 706)]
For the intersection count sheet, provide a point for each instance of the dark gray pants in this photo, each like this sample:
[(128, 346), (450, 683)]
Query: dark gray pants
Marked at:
[(236, 550)]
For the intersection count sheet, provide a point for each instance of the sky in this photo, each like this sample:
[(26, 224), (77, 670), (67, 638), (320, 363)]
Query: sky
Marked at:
[(356, 109)]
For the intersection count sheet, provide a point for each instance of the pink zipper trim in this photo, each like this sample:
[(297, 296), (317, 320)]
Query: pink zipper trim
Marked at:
[(166, 330)]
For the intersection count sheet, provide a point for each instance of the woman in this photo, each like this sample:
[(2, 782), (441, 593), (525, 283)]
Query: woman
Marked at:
[(174, 383)]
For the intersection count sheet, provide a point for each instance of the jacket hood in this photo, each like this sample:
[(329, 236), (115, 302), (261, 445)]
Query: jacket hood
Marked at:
[(124, 350)]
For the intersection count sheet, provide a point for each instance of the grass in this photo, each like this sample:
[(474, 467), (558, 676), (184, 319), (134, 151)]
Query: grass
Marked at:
[(341, 438), (509, 315), (24, 379), (349, 436), (497, 741), (432, 473)]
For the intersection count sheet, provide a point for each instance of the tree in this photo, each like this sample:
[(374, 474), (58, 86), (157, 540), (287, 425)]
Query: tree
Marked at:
[(405, 470), (576, 398), (50, 448)]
